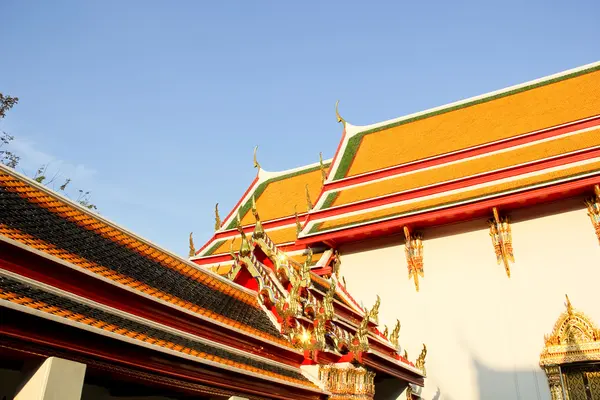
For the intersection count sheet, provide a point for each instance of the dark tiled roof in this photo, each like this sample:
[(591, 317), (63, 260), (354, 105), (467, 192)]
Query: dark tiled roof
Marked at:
[(32, 219), (117, 323)]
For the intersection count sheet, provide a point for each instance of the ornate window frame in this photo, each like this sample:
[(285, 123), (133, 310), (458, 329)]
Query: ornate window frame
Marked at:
[(575, 338)]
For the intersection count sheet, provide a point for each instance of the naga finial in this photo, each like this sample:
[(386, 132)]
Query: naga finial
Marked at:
[(385, 331), (231, 252), (322, 167), (337, 114), (217, 218), (374, 313), (258, 228), (256, 164), (405, 354), (309, 204), (395, 334), (244, 246), (337, 264), (420, 363), (192, 248), (328, 300), (305, 270), (298, 224)]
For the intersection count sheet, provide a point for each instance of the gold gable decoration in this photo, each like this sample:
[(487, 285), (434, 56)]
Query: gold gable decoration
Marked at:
[(347, 382), (502, 240), (575, 338), (593, 206), (414, 256)]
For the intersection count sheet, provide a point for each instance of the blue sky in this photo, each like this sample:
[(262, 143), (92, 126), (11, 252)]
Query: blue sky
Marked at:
[(155, 106)]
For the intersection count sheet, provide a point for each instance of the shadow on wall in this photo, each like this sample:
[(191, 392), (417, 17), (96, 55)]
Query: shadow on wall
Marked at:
[(510, 384)]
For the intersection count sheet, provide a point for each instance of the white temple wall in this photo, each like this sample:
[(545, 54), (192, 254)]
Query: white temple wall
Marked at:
[(484, 331)]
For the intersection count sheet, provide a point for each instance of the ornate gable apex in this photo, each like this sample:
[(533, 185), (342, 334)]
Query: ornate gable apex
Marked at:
[(575, 338)]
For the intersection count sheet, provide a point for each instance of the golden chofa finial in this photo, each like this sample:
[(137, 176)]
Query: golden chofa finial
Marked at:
[(309, 203), (256, 164), (217, 218), (322, 167), (337, 114), (192, 252)]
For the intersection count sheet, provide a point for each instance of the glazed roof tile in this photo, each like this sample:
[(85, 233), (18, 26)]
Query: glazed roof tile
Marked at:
[(40, 219), (536, 105)]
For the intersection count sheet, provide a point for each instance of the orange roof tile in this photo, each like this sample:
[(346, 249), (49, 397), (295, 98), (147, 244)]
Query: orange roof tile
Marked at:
[(534, 106)]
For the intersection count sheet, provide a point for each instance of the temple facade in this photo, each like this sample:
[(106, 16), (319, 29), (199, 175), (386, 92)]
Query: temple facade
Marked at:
[(448, 254), (466, 224)]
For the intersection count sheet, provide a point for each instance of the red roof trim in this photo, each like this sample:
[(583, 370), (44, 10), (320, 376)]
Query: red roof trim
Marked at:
[(461, 212), (459, 184)]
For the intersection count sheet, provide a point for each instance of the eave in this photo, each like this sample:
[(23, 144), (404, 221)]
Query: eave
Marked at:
[(460, 213)]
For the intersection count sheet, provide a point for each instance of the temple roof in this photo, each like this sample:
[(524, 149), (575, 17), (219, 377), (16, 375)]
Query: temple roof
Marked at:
[(278, 196), (550, 101), (40, 219), (541, 134)]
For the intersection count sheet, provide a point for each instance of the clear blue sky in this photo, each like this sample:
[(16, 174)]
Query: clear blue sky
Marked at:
[(155, 106)]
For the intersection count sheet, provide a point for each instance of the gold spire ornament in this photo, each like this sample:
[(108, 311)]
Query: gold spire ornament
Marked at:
[(309, 203), (593, 206), (395, 334), (217, 218), (258, 228), (256, 164), (414, 256), (298, 224), (502, 240), (386, 331), (192, 252), (336, 264), (337, 114), (420, 363), (244, 245), (322, 168), (374, 313)]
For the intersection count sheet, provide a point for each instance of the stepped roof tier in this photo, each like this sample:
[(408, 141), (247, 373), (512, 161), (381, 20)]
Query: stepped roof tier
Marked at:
[(65, 265), (77, 286), (283, 196), (524, 144)]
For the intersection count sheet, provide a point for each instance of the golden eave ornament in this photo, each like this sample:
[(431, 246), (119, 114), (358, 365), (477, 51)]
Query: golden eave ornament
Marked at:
[(322, 168), (298, 224), (309, 203), (217, 218), (414, 256), (192, 252), (420, 363), (500, 233), (593, 206), (395, 334)]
